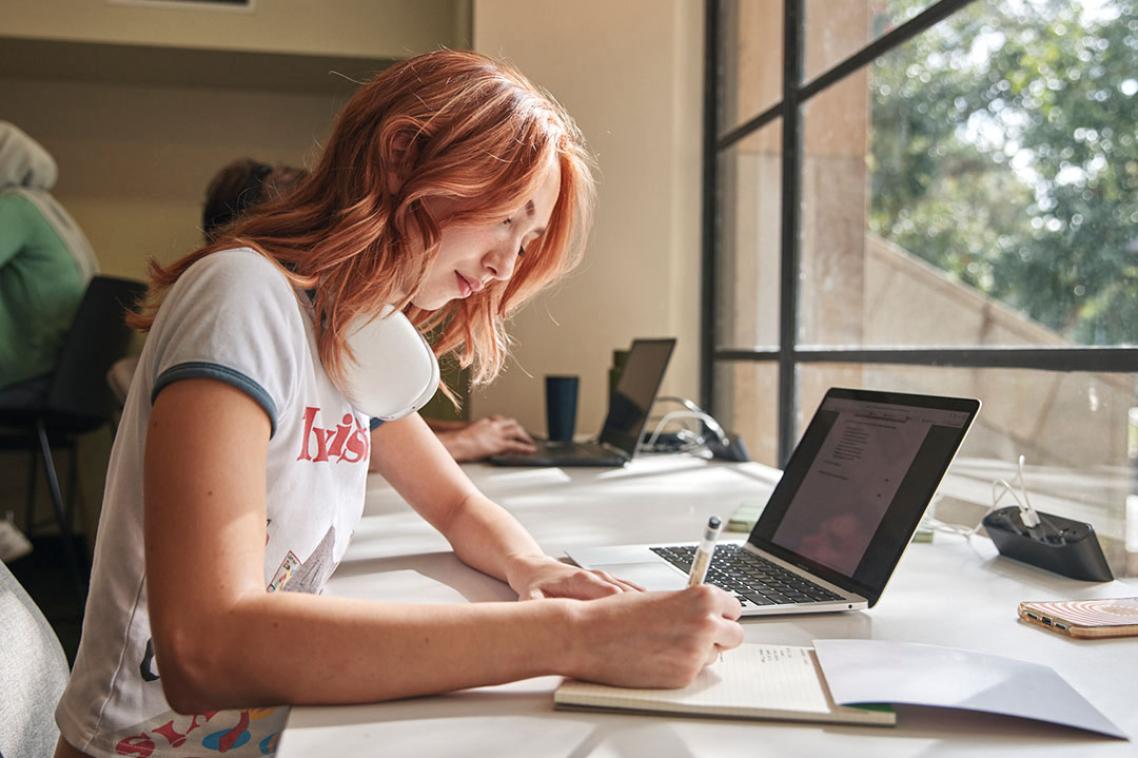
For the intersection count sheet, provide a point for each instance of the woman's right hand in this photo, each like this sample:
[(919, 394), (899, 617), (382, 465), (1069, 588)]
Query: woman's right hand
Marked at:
[(652, 639)]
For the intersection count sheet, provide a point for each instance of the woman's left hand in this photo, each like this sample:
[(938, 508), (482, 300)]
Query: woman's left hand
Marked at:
[(539, 576)]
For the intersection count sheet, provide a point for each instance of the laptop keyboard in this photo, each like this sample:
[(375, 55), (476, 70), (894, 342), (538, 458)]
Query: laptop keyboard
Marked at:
[(750, 578), (586, 449)]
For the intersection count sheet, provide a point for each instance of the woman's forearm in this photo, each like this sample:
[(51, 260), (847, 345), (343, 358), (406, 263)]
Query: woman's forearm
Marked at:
[(484, 535), (456, 444), (320, 650), (487, 537)]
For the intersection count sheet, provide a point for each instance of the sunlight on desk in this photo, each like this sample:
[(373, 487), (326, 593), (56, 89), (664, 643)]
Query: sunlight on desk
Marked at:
[(950, 592)]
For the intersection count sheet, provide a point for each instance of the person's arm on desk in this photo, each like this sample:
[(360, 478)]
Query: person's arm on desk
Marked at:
[(480, 439), (482, 533), (221, 638)]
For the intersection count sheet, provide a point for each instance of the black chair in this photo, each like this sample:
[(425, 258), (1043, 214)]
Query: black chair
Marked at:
[(53, 411)]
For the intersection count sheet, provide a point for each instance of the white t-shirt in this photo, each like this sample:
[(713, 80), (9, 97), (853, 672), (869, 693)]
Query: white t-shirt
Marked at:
[(232, 316)]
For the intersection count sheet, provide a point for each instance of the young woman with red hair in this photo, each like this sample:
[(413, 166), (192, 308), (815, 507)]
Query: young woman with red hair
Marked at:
[(452, 190)]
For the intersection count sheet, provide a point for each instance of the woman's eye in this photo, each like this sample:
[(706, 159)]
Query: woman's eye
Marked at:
[(508, 222)]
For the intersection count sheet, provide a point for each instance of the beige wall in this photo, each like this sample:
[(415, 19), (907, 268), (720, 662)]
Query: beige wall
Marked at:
[(367, 28), (134, 175), (630, 73)]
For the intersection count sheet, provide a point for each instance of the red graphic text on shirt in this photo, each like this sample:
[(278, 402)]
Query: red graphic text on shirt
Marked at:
[(347, 442)]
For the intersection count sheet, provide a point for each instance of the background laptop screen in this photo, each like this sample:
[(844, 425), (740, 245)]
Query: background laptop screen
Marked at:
[(858, 482), (635, 392)]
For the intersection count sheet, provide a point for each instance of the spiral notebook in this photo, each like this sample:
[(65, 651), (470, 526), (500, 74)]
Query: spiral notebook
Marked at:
[(775, 682)]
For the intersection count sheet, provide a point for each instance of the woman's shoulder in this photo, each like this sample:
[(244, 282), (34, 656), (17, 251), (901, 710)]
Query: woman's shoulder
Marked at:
[(239, 262), (239, 272), (236, 310), (235, 283)]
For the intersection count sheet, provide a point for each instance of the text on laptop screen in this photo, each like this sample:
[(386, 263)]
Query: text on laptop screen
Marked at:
[(636, 392), (868, 458)]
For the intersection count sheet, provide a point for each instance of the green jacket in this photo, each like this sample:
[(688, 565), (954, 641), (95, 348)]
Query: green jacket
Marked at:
[(40, 290)]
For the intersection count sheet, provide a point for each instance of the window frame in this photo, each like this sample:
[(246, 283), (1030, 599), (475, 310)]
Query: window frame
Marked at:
[(789, 354)]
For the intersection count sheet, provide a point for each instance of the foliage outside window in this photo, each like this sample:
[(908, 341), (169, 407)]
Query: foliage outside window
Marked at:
[(1004, 152), (969, 192)]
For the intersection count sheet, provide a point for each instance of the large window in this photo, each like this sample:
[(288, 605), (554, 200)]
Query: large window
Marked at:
[(928, 196)]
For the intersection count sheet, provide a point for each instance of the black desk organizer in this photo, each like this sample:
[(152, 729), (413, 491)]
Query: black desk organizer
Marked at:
[(1058, 544)]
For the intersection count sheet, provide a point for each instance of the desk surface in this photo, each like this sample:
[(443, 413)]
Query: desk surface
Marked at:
[(946, 593)]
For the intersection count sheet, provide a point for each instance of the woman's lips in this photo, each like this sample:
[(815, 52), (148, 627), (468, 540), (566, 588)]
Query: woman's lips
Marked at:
[(464, 287)]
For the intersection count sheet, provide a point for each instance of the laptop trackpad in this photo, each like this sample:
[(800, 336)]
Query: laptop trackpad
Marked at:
[(650, 576)]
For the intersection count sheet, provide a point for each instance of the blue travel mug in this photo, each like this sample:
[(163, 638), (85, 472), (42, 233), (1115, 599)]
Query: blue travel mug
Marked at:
[(560, 407)]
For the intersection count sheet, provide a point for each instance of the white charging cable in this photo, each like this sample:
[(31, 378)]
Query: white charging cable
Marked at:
[(1000, 488), (691, 411), (711, 423)]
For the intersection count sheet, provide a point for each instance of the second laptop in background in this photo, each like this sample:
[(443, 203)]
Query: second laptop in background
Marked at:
[(628, 412)]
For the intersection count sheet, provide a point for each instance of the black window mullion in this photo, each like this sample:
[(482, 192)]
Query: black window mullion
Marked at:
[(924, 20), (750, 126), (866, 55), (710, 206), (1085, 359), (793, 25)]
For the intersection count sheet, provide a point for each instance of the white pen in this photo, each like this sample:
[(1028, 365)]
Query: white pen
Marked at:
[(703, 551)]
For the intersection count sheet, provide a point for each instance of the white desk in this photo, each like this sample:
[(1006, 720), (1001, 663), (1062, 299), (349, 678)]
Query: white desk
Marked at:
[(943, 593)]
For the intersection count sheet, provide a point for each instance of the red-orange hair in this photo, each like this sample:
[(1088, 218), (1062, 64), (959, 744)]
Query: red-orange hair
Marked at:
[(445, 124)]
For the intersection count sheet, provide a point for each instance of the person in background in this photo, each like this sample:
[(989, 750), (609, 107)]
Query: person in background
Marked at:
[(45, 265), (246, 183), (243, 184)]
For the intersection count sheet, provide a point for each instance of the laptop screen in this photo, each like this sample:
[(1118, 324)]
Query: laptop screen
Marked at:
[(859, 481), (636, 392)]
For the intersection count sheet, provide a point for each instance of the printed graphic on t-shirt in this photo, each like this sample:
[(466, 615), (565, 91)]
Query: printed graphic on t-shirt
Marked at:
[(284, 571), (311, 575), (347, 442), (249, 732), (172, 731), (149, 667)]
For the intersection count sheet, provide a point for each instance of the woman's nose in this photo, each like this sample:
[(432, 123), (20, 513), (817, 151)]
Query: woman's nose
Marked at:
[(500, 262)]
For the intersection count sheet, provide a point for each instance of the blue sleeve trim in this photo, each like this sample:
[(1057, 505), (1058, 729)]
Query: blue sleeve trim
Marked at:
[(376, 423), (205, 370)]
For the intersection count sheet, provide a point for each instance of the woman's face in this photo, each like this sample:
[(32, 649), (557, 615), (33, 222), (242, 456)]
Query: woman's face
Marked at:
[(471, 256)]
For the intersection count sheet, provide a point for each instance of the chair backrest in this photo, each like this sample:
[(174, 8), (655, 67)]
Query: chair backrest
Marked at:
[(33, 673), (98, 337)]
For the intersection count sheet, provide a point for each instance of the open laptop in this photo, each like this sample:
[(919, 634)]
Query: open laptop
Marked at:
[(835, 526), (628, 412)]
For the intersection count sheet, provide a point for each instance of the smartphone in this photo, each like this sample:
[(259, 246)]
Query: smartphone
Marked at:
[(1117, 617)]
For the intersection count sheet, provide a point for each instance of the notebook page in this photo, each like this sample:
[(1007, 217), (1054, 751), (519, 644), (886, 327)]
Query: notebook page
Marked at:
[(752, 678)]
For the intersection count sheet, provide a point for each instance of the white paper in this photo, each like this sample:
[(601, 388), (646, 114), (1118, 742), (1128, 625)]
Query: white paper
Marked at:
[(908, 673)]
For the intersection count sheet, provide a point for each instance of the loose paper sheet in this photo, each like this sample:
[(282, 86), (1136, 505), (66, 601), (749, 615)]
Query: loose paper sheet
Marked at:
[(879, 671)]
